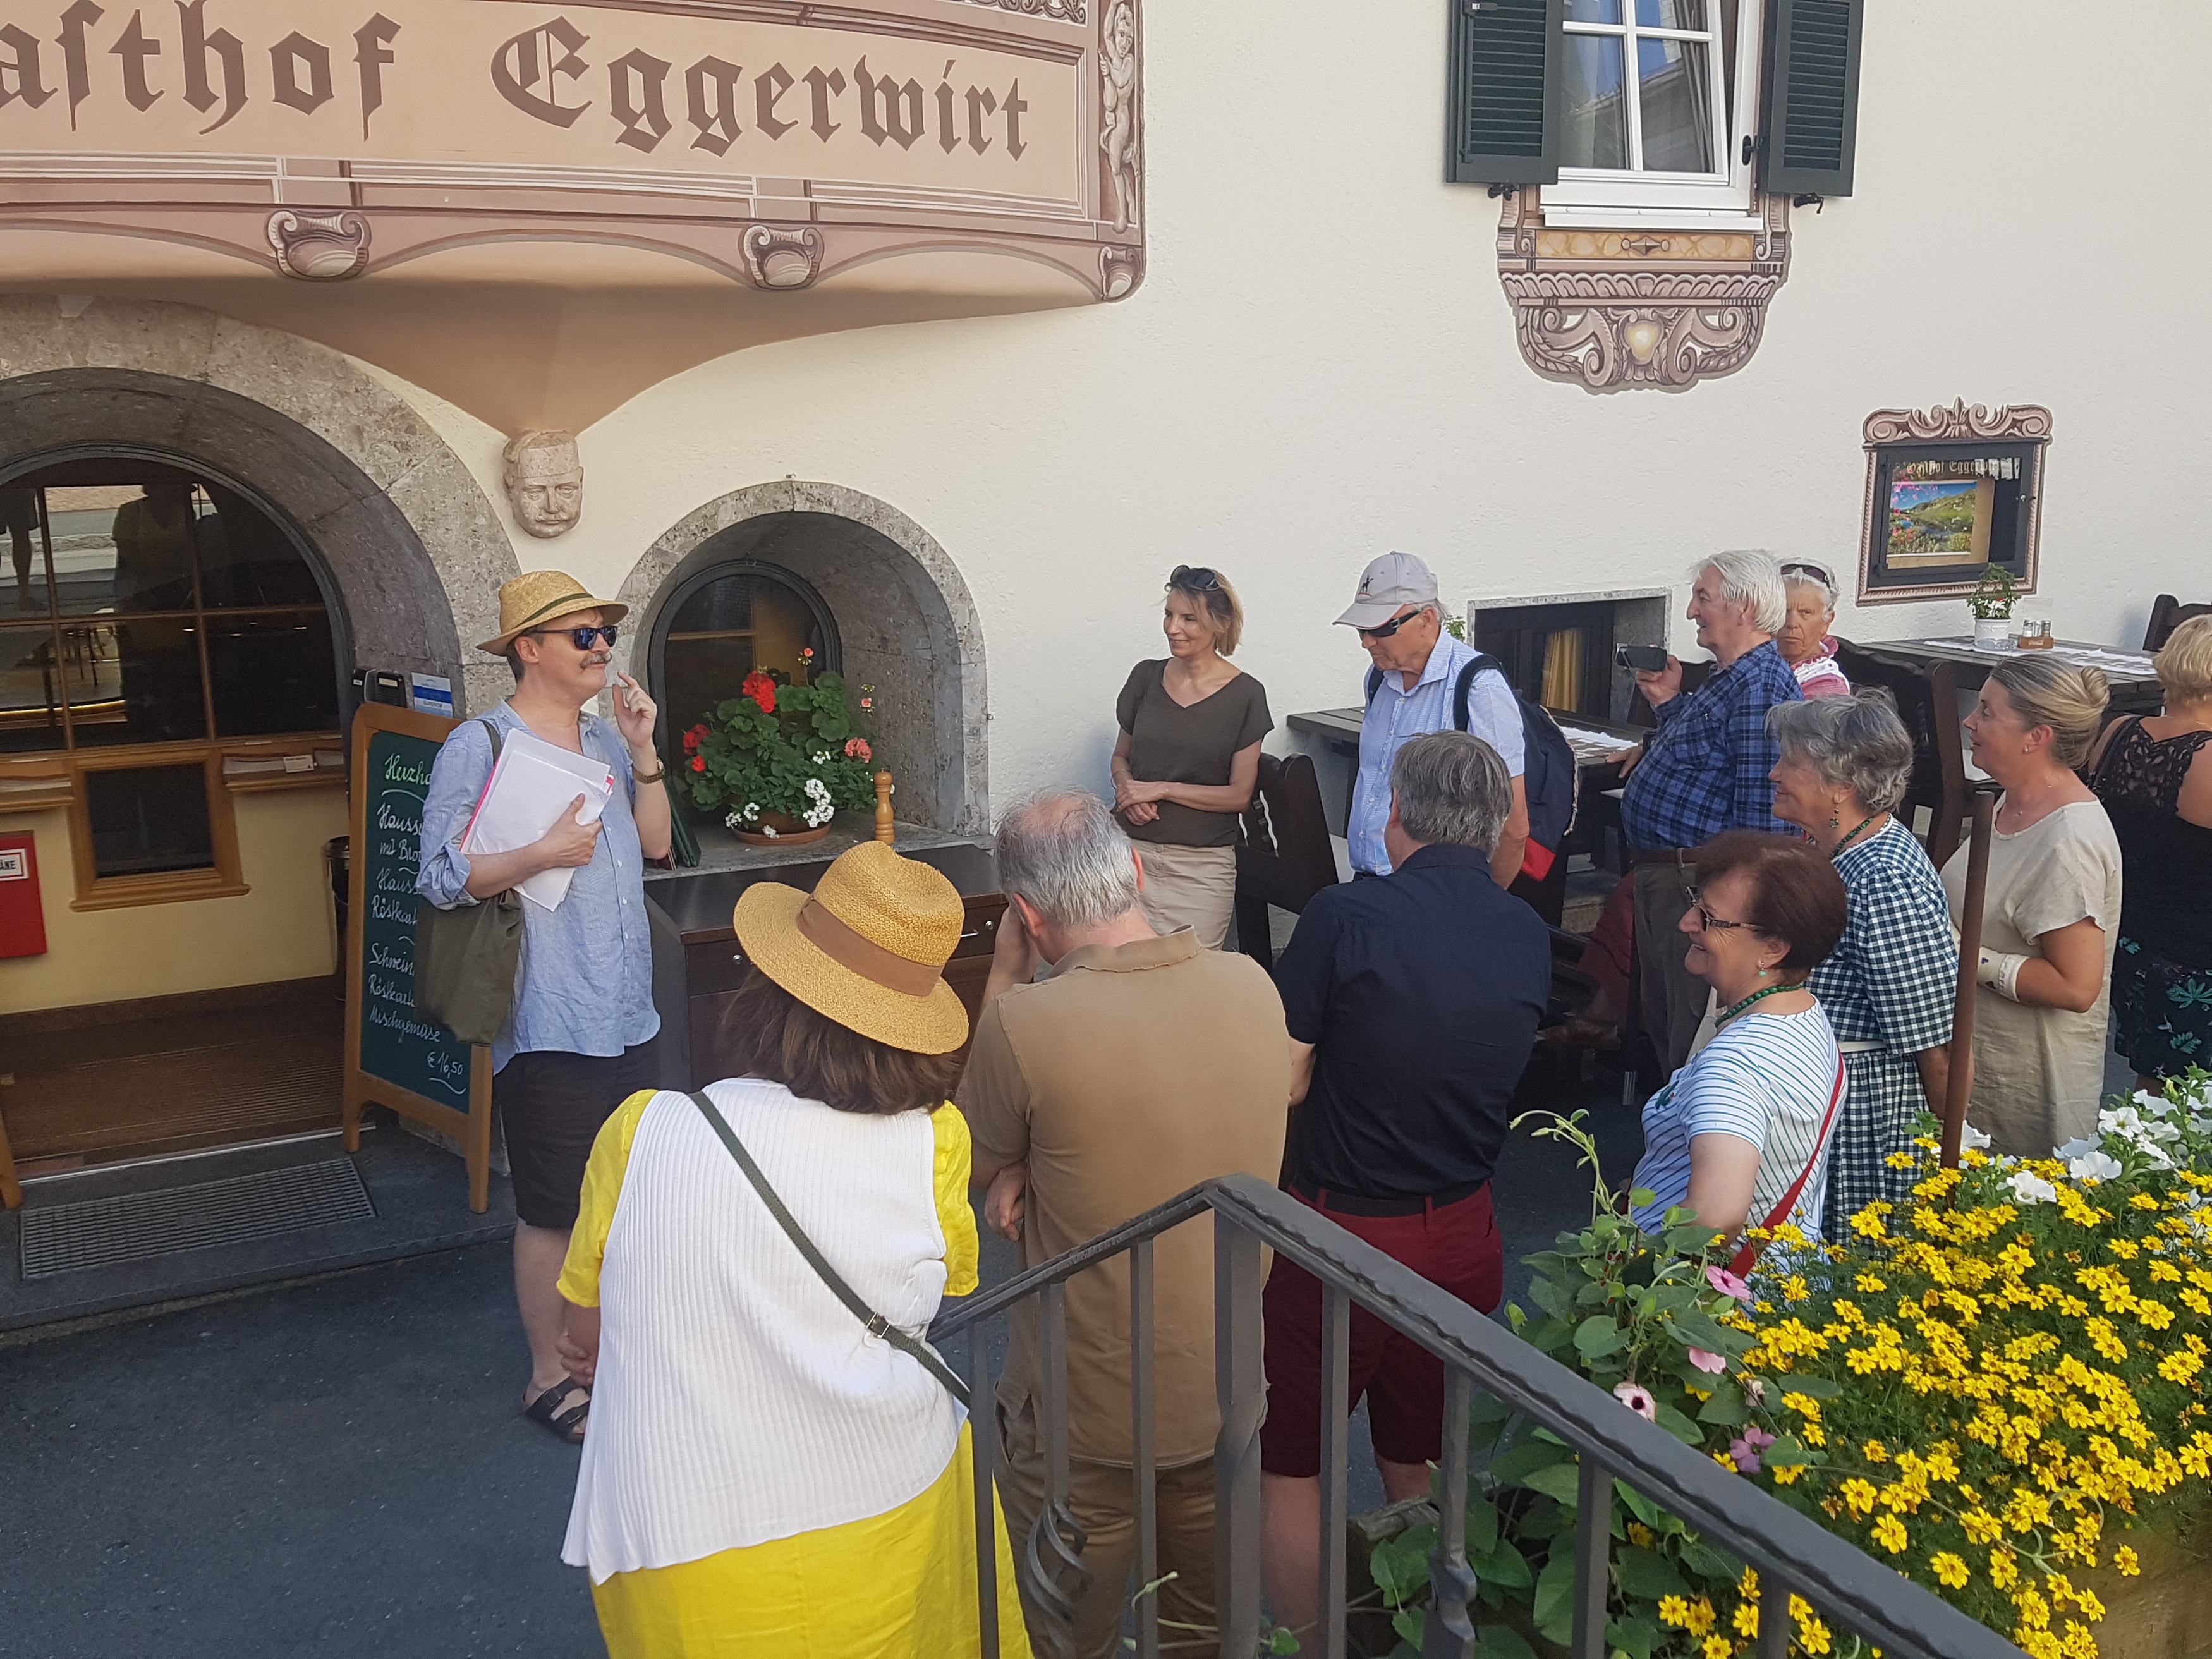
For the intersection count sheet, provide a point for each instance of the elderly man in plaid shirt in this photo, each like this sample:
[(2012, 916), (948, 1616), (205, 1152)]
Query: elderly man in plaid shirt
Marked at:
[(1703, 771)]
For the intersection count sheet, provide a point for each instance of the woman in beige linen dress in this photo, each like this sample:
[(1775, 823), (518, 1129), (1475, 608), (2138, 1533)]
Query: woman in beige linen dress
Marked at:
[(2044, 991), (1188, 757)]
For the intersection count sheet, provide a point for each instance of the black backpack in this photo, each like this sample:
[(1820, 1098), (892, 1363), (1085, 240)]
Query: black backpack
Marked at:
[(1548, 768)]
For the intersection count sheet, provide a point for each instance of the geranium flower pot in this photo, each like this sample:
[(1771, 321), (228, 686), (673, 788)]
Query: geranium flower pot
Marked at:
[(781, 829)]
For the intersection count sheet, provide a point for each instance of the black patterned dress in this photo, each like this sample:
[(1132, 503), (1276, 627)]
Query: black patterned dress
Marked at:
[(2162, 970)]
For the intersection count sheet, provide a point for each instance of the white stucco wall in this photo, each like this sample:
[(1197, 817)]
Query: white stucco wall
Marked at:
[(1320, 365)]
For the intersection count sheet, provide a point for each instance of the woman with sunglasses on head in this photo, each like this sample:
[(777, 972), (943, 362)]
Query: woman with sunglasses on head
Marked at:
[(581, 1033), (2051, 914), (1803, 639), (1188, 759), (1740, 1134)]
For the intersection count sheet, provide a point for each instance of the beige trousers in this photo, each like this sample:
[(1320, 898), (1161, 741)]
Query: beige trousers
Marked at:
[(1193, 887)]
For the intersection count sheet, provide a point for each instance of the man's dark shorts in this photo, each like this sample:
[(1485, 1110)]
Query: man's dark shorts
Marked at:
[(549, 1105), (1457, 1247)]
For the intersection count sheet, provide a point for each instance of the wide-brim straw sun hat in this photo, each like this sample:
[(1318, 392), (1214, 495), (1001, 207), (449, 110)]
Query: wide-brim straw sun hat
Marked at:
[(536, 597), (867, 947)]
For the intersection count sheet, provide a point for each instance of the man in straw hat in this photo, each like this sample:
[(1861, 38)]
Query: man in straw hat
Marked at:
[(580, 1037), (1143, 1066)]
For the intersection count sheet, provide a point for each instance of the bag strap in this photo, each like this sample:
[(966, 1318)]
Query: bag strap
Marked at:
[(1749, 1253), (876, 1324), (486, 722)]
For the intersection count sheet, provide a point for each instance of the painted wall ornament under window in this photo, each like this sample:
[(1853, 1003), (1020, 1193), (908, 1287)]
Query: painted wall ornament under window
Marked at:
[(544, 478), (1612, 309)]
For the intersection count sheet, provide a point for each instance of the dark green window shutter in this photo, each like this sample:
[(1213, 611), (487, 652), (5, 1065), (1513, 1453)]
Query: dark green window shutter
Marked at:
[(1505, 97), (1810, 127)]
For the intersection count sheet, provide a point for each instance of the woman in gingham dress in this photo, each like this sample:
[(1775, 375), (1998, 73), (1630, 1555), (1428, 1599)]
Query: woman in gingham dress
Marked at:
[(1888, 990)]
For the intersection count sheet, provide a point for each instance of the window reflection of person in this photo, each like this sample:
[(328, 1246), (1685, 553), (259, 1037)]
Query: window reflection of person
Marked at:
[(161, 693), (19, 516)]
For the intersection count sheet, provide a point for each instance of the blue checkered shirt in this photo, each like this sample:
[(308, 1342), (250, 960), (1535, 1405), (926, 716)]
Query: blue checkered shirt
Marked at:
[(1705, 769)]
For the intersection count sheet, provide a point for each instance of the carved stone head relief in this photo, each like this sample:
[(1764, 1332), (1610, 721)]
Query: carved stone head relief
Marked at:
[(544, 479)]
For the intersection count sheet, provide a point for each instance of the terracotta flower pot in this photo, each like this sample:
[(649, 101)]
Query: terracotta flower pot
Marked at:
[(788, 831)]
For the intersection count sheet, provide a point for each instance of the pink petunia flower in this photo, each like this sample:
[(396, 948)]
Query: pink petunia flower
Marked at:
[(1747, 1449), (1637, 1399), (1706, 1360), (1728, 1283)]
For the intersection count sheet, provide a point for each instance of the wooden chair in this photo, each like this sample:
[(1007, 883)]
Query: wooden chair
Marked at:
[(1285, 857), (1927, 703), (2166, 614)]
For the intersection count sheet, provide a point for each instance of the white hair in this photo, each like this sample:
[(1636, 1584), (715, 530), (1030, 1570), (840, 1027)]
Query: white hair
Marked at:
[(1749, 575), (1805, 576)]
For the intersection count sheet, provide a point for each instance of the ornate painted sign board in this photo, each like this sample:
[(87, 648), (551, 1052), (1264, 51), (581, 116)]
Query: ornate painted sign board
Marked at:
[(907, 159)]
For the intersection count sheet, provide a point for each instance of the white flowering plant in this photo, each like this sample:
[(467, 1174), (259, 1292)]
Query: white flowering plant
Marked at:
[(778, 759)]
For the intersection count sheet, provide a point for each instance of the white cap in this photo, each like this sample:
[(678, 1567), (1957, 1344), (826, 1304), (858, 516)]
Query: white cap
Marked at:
[(1390, 583)]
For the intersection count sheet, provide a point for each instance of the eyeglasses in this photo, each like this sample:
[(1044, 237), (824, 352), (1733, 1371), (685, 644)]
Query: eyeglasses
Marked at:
[(1392, 626), (583, 637), (1706, 919), (1193, 578), (1812, 570)]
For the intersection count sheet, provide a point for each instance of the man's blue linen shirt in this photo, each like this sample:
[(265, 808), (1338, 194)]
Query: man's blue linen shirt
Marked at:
[(1705, 769), (1394, 718), (585, 985)]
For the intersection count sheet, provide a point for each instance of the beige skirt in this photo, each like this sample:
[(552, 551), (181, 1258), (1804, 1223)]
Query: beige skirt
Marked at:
[(1193, 887)]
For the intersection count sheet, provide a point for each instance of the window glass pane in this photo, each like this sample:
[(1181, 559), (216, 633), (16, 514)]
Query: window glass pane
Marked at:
[(245, 559), (123, 547), (1595, 131), (135, 681), (30, 690), (147, 820), (23, 576), (1671, 14), (272, 674), (736, 624), (1678, 106), (1592, 11)]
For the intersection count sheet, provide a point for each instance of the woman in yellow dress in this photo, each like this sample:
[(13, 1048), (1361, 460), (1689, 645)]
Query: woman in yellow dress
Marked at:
[(763, 1475)]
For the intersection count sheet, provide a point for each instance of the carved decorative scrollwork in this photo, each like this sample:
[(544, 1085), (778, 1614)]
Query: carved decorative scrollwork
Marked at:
[(1119, 271), (785, 260), (1959, 423), (1065, 11), (320, 247), (1609, 310)]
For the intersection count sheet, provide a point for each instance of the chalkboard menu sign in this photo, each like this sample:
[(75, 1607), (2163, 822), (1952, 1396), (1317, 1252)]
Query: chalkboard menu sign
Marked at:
[(395, 1057)]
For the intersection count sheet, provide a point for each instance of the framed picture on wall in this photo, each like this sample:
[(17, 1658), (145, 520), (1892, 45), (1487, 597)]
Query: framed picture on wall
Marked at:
[(1951, 493), (1938, 521)]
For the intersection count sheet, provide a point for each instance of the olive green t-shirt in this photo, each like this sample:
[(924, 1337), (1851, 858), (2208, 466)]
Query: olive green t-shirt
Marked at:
[(1170, 743)]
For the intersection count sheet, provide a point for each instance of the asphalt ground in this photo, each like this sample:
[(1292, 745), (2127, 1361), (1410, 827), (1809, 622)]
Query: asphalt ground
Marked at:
[(338, 1467)]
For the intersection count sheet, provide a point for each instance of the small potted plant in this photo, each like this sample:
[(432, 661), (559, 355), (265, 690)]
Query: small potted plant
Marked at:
[(780, 761), (1991, 602)]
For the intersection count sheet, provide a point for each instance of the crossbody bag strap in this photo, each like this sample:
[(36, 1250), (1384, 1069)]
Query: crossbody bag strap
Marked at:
[(1749, 1253), (876, 1324)]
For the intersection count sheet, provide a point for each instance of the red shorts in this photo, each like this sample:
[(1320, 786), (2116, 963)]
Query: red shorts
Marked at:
[(1457, 1249)]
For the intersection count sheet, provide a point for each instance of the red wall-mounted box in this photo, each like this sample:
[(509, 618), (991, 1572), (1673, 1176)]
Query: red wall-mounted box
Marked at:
[(22, 916)]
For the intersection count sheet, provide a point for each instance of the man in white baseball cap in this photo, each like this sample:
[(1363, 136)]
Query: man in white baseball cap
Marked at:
[(1418, 682)]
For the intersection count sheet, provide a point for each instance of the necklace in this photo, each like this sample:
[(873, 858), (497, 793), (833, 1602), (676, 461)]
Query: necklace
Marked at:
[(1736, 1008), (1853, 835)]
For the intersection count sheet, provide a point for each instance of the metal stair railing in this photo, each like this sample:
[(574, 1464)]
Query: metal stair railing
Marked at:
[(1793, 1554)]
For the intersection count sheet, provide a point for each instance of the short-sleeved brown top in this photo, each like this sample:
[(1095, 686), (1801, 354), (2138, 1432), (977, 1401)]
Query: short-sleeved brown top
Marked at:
[(1118, 1098), (1170, 743)]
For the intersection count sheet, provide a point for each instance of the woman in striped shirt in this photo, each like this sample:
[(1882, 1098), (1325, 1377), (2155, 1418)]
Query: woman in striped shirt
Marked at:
[(1740, 1134)]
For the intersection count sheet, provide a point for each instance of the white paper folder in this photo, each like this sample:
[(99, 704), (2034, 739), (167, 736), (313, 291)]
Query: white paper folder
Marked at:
[(533, 786)]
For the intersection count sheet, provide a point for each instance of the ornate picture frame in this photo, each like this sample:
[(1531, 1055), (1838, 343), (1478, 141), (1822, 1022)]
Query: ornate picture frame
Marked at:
[(2008, 446)]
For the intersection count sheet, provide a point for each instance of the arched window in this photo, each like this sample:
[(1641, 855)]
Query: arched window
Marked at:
[(163, 640), (726, 622)]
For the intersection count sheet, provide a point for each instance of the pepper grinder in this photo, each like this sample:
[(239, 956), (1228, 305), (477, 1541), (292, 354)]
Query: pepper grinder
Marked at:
[(883, 830)]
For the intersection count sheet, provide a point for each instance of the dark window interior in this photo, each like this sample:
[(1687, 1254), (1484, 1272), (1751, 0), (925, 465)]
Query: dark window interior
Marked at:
[(149, 820), (1559, 656), (725, 622)]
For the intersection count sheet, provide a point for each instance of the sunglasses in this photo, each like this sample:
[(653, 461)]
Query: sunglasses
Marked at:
[(1390, 627), (1812, 570), (1193, 578), (583, 637), (1706, 919)]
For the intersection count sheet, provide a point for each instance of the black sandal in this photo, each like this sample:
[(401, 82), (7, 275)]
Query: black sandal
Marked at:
[(548, 1408)]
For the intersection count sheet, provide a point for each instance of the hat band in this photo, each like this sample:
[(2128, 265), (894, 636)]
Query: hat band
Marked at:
[(547, 610), (822, 929)]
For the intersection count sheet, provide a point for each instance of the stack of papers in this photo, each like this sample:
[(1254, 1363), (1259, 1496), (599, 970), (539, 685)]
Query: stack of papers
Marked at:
[(534, 785)]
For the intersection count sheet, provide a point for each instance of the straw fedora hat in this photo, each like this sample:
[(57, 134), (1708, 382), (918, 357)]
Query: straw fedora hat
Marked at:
[(538, 595), (867, 947)]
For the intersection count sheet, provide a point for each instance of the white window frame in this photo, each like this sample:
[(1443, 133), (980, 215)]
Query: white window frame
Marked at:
[(1612, 197)]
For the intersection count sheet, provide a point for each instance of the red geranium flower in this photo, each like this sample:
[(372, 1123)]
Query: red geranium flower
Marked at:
[(691, 737), (698, 763), (761, 689), (857, 749)]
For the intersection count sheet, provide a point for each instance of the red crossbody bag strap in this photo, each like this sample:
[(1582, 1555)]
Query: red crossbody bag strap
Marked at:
[(1742, 1264)]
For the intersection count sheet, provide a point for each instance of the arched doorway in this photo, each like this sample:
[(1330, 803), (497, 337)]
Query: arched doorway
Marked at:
[(894, 605)]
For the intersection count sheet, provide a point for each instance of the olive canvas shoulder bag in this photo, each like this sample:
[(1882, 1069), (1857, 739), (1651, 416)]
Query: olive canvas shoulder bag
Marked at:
[(467, 958)]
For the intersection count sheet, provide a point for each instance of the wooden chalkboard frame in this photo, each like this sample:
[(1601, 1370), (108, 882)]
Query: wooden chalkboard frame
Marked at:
[(471, 1129)]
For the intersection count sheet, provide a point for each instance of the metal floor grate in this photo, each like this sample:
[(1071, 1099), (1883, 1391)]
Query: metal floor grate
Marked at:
[(110, 1232)]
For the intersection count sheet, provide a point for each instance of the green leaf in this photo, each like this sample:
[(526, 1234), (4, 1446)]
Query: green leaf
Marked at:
[(1561, 1480), (1815, 1388), (1639, 1505), (1550, 1335), (1399, 1565), (1642, 1198), (1552, 1297), (1408, 1625), (1726, 1409), (1481, 1526), (1598, 1336), (1646, 1575), (1700, 1331), (1554, 1610), (1502, 1641), (1636, 1636), (1679, 1427), (1513, 1467), (1707, 1562), (1280, 1641), (1503, 1567), (1787, 1452)]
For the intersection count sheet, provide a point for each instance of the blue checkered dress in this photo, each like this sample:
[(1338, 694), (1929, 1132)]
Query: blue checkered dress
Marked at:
[(1892, 980)]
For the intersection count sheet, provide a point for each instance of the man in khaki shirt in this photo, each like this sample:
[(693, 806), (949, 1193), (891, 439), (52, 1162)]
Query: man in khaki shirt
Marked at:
[(1143, 1066)]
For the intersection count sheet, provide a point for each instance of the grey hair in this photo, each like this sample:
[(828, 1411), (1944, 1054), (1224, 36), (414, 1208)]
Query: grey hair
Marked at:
[(1798, 575), (1062, 851), (1750, 575), (1452, 790), (1855, 742)]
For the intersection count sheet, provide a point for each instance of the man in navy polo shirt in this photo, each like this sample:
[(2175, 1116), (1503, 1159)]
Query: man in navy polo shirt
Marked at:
[(1412, 1003)]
